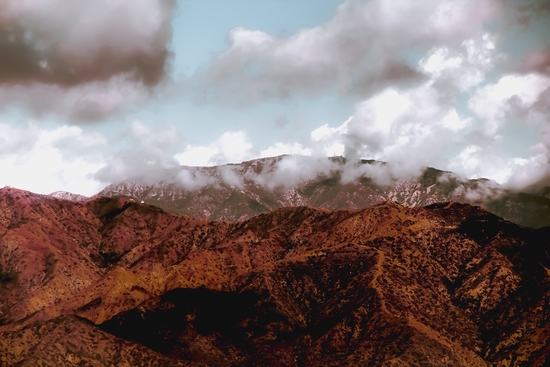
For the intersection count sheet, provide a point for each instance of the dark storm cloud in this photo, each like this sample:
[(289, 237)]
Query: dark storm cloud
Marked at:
[(535, 62), (526, 11), (82, 103), (67, 43), (82, 60)]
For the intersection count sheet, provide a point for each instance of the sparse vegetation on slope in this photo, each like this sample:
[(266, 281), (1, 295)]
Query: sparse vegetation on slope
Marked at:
[(113, 282)]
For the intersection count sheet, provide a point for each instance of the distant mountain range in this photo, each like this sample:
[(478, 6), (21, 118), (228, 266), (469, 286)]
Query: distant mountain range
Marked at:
[(240, 191), (112, 282), (68, 196)]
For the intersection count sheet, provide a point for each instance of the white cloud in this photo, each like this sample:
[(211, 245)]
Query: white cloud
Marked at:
[(411, 125), (468, 161), (382, 174), (466, 65), (193, 180), (453, 122), (285, 148), (230, 176), (439, 61), (360, 51), (404, 113), (513, 172), (329, 141), (50, 164), (145, 152), (13, 140), (291, 170), (246, 39), (326, 132), (525, 172), (231, 147), (492, 102), (196, 156)]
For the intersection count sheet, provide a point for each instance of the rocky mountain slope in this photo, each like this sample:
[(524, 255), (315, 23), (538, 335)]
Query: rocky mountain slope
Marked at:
[(111, 282), (68, 196), (240, 191)]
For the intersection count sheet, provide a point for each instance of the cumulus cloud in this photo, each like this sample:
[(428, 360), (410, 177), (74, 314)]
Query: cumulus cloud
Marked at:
[(412, 126), (417, 128), (289, 171), (44, 161), (16, 140), (512, 170), (463, 66), (68, 158), (366, 47), (285, 148), (329, 140), (147, 156), (409, 128), (503, 111), (87, 57), (231, 147), (421, 125), (493, 102), (426, 76), (69, 43), (419, 72)]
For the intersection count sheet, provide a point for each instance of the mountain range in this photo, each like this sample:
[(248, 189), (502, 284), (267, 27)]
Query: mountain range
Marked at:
[(113, 282), (240, 191)]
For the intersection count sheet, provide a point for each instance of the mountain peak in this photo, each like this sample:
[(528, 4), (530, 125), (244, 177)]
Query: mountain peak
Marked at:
[(68, 196), (241, 191)]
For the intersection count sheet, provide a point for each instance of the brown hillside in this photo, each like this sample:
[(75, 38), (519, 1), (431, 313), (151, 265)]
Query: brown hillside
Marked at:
[(112, 282)]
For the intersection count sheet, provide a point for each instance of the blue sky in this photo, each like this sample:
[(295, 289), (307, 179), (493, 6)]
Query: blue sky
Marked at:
[(213, 20), (99, 92)]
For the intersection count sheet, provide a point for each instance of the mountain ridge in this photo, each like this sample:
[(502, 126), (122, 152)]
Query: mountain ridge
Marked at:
[(449, 284), (240, 191)]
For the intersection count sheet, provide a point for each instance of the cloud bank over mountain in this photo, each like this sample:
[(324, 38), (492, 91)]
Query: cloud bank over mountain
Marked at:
[(434, 83)]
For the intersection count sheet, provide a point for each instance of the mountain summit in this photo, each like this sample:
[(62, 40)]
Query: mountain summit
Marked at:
[(240, 191)]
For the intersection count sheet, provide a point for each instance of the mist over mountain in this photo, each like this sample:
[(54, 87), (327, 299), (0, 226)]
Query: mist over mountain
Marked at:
[(154, 212), (240, 191)]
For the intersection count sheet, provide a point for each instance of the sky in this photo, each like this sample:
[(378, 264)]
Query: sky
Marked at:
[(98, 92)]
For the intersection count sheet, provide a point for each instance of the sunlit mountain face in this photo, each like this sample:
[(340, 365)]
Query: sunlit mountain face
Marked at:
[(274, 183), (111, 281)]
